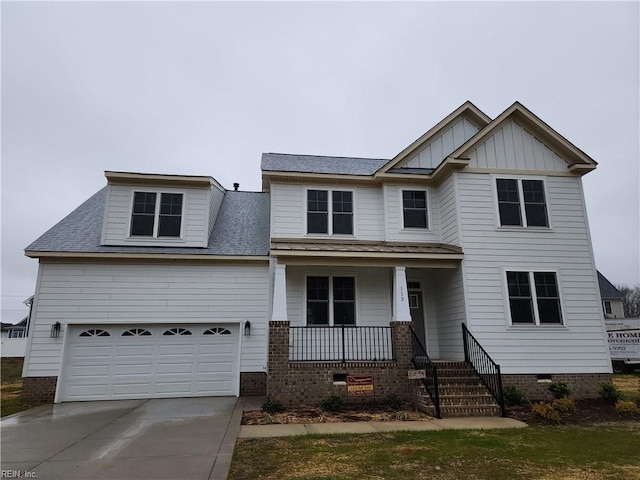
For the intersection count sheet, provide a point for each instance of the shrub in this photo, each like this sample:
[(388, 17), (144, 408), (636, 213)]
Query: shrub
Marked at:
[(394, 402), (332, 404), (626, 408), (514, 396), (546, 412), (564, 405), (559, 389), (609, 392), (271, 406)]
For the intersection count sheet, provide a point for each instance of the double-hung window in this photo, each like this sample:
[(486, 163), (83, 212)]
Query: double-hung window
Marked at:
[(156, 214), (336, 205), (521, 203), (606, 307), (331, 301), (414, 209), (534, 298)]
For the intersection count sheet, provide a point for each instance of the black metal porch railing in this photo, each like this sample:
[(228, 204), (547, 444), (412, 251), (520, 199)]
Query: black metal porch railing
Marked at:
[(422, 361), (340, 344), (485, 367)]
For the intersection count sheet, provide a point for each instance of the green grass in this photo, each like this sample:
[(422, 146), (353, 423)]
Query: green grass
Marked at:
[(543, 452), (629, 385), (11, 389)]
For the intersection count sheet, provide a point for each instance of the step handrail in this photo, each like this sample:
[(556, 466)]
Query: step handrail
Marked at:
[(488, 370), (421, 360)]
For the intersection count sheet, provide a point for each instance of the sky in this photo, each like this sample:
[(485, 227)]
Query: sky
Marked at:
[(205, 88)]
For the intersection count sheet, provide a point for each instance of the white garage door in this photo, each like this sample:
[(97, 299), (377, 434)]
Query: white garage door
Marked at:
[(150, 361)]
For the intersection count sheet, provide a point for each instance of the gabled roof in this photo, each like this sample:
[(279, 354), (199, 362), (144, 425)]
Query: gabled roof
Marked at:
[(467, 110), (577, 161), (241, 229), (607, 289)]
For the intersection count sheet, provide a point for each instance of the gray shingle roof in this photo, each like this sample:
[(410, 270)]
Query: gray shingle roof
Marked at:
[(241, 228), (607, 289), (280, 162)]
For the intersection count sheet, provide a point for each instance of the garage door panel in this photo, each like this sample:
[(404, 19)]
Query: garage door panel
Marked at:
[(156, 365)]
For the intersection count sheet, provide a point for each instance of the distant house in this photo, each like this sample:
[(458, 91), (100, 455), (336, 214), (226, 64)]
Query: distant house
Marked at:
[(611, 298), (14, 330), (466, 255)]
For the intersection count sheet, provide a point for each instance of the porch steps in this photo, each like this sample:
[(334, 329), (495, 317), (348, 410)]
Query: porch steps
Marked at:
[(462, 394)]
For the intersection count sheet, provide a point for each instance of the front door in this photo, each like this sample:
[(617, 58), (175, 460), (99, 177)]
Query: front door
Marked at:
[(417, 311)]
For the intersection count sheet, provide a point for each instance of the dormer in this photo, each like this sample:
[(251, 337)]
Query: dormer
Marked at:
[(160, 210)]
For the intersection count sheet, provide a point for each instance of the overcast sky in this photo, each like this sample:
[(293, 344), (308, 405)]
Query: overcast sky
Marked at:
[(204, 88)]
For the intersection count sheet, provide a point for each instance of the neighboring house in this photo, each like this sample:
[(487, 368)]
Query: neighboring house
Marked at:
[(611, 298), (14, 330), (339, 278)]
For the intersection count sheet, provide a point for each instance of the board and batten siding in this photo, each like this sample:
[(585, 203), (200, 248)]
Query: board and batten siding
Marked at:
[(513, 147), (152, 294), (118, 208), (432, 154), (373, 293), (289, 210), (579, 346)]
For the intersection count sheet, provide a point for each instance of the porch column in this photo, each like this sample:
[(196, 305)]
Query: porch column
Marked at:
[(401, 311), (279, 312)]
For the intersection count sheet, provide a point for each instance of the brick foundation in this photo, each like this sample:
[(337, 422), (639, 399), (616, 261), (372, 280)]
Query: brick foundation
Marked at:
[(38, 390), (253, 384), (309, 383), (583, 385)]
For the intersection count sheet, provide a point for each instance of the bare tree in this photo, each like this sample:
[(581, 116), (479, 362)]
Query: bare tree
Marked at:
[(630, 300)]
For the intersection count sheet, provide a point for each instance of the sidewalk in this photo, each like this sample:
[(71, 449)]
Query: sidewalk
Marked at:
[(460, 423)]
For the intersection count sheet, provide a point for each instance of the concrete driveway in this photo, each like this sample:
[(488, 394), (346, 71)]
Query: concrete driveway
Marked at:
[(178, 438)]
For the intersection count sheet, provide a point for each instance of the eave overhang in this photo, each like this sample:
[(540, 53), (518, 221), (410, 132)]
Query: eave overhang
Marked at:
[(142, 257), (153, 180)]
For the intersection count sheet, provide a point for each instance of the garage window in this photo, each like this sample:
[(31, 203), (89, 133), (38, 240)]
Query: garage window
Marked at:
[(217, 331), (95, 332), (136, 332), (177, 331)]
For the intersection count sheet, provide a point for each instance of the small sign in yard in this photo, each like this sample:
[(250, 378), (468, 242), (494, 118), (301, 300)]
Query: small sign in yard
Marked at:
[(417, 374), (359, 385)]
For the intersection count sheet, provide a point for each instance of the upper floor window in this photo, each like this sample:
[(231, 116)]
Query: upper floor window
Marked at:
[(339, 209), (606, 307), (534, 298), (414, 209), (156, 215), (522, 203), (331, 301)]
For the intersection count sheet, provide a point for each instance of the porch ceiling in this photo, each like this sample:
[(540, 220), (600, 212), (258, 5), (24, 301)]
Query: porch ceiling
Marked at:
[(333, 251)]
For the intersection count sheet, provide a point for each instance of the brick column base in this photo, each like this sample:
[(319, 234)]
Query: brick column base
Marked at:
[(38, 390), (253, 384)]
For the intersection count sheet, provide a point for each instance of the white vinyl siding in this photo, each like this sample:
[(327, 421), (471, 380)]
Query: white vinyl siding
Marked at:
[(289, 210), (577, 347), (432, 154), (118, 209), (395, 231), (373, 287), (512, 147), (148, 294), (216, 196)]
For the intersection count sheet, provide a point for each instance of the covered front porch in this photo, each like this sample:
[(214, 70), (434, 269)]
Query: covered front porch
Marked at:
[(340, 299)]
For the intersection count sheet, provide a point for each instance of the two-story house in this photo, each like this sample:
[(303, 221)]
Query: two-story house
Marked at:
[(468, 250)]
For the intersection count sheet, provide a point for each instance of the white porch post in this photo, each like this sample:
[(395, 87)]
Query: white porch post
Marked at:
[(401, 311), (279, 312)]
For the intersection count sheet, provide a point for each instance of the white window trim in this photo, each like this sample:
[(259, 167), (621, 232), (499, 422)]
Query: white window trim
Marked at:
[(428, 200), (331, 276), (604, 307), (329, 213), (536, 314), (523, 215), (156, 218)]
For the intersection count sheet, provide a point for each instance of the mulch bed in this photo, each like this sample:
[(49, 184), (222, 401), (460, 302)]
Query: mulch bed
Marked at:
[(589, 411)]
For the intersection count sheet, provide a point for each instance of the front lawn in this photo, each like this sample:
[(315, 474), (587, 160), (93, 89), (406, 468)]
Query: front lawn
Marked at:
[(11, 388), (600, 451)]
